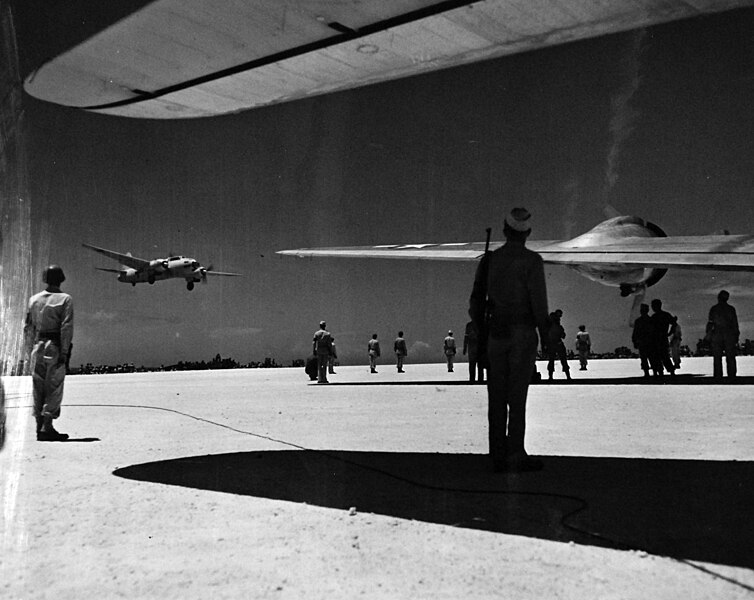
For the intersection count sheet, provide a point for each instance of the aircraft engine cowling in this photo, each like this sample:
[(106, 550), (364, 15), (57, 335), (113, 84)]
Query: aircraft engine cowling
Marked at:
[(158, 265), (629, 280)]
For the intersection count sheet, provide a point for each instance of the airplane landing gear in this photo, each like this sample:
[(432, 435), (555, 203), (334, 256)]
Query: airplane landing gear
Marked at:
[(190, 286)]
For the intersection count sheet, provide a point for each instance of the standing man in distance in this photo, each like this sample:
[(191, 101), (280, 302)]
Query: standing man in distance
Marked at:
[(556, 348), (583, 346), (471, 345), (509, 300), (449, 348), (322, 347), (643, 339), (662, 321), (399, 346), (722, 329), (48, 332), (373, 350)]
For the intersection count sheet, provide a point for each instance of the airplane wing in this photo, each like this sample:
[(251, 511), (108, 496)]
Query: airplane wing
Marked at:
[(124, 259), (718, 252), (181, 58), (107, 270)]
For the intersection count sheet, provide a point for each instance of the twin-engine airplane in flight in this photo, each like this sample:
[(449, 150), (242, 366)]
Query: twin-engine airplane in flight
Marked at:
[(138, 270), (624, 251)]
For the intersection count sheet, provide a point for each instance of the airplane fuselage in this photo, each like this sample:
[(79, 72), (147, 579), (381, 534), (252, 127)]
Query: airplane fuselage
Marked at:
[(158, 270)]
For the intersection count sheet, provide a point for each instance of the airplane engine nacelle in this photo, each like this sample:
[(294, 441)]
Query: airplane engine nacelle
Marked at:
[(629, 280), (158, 265)]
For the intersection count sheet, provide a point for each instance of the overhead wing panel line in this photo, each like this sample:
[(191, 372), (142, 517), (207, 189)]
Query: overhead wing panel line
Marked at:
[(347, 34)]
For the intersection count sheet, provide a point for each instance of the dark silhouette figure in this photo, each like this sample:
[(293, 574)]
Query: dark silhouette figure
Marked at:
[(662, 323), (723, 333), (556, 348), (471, 347), (643, 338), (373, 350), (509, 299), (399, 346)]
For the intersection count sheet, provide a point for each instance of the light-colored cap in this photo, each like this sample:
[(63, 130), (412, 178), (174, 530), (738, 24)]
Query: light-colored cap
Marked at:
[(519, 219), (322, 324)]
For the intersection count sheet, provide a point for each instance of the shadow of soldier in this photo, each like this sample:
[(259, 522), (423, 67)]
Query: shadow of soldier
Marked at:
[(686, 509)]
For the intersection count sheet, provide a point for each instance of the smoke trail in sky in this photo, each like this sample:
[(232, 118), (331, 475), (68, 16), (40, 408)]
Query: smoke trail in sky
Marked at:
[(570, 219), (624, 116)]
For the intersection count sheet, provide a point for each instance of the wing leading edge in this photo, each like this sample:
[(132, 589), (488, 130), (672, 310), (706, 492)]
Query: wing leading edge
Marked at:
[(124, 259), (718, 252)]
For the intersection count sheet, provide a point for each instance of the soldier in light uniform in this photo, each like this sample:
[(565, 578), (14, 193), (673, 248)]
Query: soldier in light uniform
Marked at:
[(48, 333), (583, 346)]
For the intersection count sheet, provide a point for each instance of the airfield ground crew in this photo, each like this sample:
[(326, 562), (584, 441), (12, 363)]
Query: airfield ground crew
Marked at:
[(642, 337), (555, 346), (471, 347), (373, 349), (399, 346), (333, 356), (322, 347), (723, 332), (676, 336), (583, 346), (509, 300), (48, 332), (662, 321), (449, 349)]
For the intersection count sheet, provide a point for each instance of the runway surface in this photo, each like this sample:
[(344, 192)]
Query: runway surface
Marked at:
[(256, 483)]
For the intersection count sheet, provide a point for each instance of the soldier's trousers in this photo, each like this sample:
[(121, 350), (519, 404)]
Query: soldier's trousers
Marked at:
[(47, 379), (511, 364), (723, 344)]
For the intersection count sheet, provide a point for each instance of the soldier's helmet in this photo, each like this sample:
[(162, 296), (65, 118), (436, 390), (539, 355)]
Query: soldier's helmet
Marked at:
[(53, 275)]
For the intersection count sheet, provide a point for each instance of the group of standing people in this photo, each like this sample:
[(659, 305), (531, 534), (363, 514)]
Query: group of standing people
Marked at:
[(657, 337)]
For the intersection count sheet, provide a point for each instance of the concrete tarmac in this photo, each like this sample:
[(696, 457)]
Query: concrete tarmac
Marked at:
[(256, 483)]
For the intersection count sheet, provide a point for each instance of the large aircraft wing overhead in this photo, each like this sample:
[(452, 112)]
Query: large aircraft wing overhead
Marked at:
[(124, 259), (190, 58), (460, 251), (721, 252)]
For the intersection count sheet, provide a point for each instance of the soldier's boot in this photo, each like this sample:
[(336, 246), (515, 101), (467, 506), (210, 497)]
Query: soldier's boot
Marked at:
[(47, 433), (39, 424), (568, 375)]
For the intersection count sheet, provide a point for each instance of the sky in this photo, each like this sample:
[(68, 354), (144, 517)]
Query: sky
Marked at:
[(656, 123)]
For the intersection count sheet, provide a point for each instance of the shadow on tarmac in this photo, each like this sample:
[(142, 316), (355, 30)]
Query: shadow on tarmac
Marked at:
[(686, 509)]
